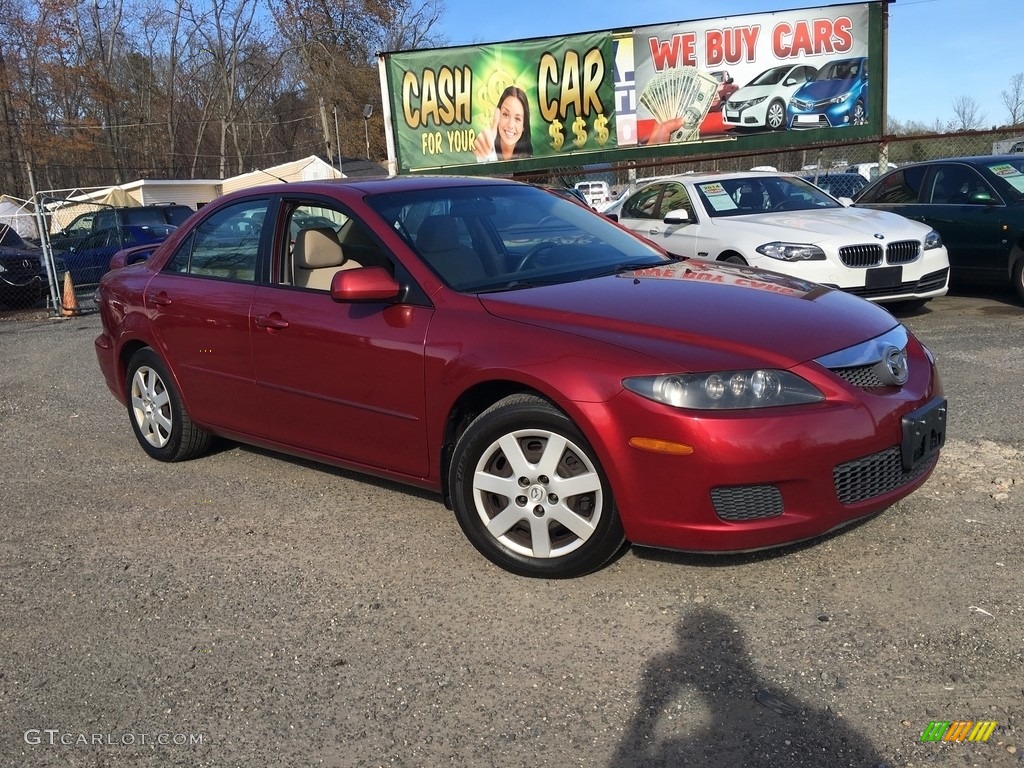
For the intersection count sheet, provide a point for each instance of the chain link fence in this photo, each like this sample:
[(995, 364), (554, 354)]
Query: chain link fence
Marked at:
[(32, 273), (837, 156)]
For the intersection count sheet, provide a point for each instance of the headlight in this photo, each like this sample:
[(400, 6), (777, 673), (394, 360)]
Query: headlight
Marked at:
[(726, 390), (932, 240), (841, 98), (791, 251), (750, 102)]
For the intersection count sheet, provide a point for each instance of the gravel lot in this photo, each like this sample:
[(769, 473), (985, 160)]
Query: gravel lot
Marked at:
[(248, 609)]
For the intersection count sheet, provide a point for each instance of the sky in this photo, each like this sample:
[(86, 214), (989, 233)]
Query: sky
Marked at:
[(939, 50)]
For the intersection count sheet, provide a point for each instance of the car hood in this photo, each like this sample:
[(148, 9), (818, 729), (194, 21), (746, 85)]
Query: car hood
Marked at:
[(847, 226), (701, 315), (748, 92), (824, 89)]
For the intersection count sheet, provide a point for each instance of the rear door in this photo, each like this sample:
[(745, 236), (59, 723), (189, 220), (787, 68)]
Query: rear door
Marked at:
[(200, 308)]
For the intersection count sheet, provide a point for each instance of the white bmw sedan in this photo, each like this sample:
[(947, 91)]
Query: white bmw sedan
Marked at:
[(785, 224)]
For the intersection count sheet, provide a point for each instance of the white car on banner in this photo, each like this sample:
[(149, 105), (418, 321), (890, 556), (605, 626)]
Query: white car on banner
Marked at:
[(761, 103), (783, 223)]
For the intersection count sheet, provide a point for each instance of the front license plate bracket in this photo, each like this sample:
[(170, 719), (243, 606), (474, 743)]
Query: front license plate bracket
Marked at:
[(884, 277), (924, 433)]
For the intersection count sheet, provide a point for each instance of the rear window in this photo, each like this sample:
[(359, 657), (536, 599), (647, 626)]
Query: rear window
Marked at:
[(138, 216), (178, 214)]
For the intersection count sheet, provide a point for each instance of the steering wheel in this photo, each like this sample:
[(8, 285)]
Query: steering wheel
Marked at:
[(533, 253)]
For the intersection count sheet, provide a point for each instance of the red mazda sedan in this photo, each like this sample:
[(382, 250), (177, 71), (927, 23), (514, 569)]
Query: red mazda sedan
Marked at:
[(565, 387)]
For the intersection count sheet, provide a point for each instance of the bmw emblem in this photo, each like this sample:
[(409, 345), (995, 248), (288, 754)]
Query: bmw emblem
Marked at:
[(879, 236)]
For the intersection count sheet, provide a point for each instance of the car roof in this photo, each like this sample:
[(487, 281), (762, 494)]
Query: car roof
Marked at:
[(703, 176), (376, 185)]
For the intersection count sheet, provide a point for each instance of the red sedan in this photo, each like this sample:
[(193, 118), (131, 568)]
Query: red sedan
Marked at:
[(563, 385)]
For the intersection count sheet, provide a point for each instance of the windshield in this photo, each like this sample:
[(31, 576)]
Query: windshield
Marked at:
[(771, 77), (847, 69), (1007, 174), (761, 194), (508, 236)]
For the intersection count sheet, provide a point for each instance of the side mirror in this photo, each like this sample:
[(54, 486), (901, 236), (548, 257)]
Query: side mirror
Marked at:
[(678, 216), (846, 201), (364, 284), (981, 197)]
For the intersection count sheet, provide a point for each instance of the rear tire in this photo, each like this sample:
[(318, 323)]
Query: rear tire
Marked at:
[(529, 493), (160, 422)]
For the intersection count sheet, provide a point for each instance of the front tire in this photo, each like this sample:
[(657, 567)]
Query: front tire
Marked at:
[(160, 422), (529, 493), (775, 116), (859, 115), (1018, 278)]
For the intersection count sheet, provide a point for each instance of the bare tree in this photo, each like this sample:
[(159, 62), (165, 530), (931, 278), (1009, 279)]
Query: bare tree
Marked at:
[(1013, 99), (966, 115)]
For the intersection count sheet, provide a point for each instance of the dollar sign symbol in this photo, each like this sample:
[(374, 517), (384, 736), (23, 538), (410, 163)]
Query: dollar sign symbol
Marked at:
[(579, 129), (601, 128), (557, 137)]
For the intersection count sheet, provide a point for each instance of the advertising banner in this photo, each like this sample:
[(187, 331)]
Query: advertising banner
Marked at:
[(789, 70), (757, 81), (498, 103)]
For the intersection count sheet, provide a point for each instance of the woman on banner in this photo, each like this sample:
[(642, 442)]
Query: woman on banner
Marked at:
[(508, 136)]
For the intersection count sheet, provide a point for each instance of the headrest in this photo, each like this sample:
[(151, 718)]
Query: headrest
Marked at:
[(318, 247)]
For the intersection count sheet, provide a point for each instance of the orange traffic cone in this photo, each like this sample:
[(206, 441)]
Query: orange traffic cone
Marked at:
[(69, 302)]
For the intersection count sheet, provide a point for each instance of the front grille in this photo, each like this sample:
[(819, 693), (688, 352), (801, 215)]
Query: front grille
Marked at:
[(873, 476), (869, 255), (862, 376), (739, 503), (902, 252)]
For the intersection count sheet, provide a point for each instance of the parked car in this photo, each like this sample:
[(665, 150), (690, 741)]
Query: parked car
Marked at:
[(564, 386), (726, 88), (761, 103), (837, 96), (597, 193), (837, 183), (90, 260), (89, 223), (781, 222), (22, 274), (975, 203)]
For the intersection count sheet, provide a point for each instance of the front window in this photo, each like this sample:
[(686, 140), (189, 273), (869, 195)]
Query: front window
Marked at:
[(491, 238)]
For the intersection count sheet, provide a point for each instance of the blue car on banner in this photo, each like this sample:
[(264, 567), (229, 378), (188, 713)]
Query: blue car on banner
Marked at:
[(837, 96)]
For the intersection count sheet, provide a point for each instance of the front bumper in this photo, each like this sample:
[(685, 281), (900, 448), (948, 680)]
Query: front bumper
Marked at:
[(758, 480)]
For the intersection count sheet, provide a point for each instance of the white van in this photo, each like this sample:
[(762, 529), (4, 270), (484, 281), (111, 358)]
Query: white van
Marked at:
[(598, 193)]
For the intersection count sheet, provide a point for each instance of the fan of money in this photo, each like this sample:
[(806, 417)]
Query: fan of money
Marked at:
[(685, 92)]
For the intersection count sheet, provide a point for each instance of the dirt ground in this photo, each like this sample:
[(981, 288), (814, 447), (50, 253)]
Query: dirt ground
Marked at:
[(247, 609)]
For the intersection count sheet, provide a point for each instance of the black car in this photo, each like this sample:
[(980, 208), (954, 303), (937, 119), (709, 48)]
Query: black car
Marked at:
[(22, 274), (975, 203)]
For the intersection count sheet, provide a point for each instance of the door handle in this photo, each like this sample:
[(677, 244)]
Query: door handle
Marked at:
[(160, 299), (272, 322)]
